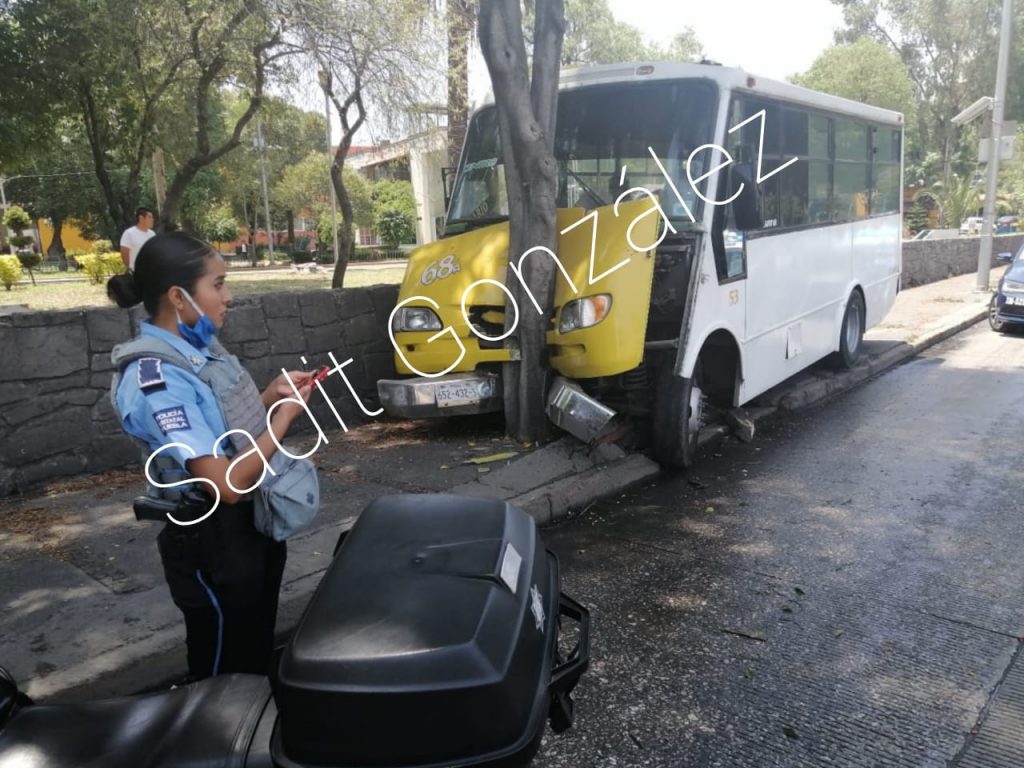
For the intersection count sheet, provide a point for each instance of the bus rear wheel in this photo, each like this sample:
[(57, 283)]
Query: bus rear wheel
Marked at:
[(851, 336), (679, 412)]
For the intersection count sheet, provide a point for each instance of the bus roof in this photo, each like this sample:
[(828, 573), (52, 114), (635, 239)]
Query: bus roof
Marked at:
[(732, 78)]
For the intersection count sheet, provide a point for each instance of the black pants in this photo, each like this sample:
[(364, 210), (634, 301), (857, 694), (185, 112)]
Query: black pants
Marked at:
[(225, 577)]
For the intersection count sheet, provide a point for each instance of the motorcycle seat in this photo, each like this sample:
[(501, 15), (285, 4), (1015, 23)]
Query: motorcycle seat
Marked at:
[(209, 723)]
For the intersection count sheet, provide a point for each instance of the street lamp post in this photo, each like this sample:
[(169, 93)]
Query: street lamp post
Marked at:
[(266, 195), (989, 213)]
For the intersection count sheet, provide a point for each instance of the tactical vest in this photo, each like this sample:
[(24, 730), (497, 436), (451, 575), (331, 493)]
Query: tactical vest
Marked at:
[(234, 391)]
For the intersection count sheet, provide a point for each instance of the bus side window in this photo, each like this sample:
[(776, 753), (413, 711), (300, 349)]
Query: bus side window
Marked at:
[(745, 147)]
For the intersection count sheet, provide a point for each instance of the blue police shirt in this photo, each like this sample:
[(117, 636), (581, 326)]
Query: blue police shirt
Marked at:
[(166, 404)]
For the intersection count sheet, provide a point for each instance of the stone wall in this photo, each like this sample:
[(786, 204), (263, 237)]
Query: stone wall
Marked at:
[(925, 261), (55, 413)]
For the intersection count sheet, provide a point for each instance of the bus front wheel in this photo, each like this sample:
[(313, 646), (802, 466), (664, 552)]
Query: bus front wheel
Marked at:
[(851, 336), (679, 409)]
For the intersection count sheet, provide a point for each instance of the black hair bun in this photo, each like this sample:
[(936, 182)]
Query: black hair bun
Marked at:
[(121, 290)]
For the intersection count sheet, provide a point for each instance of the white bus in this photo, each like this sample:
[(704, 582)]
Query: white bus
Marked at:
[(804, 257)]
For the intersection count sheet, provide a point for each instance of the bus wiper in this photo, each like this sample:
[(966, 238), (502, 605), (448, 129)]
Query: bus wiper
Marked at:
[(465, 225), (586, 187)]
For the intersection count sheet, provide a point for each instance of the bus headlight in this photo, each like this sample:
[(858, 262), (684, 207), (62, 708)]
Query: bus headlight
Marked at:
[(1012, 285), (416, 319), (584, 313)]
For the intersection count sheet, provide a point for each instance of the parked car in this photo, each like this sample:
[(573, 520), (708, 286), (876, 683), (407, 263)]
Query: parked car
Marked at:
[(971, 226), (1006, 309), (1006, 224)]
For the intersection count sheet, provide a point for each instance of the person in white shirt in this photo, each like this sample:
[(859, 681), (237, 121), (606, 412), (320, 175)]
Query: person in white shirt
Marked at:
[(134, 237)]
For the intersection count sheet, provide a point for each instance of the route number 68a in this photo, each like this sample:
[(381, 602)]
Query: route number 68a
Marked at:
[(439, 270)]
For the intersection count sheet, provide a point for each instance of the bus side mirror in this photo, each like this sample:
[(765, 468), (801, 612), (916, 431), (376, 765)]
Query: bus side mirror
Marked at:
[(746, 207), (1004, 258)]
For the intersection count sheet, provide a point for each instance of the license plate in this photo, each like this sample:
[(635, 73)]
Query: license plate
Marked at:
[(1015, 301), (449, 394)]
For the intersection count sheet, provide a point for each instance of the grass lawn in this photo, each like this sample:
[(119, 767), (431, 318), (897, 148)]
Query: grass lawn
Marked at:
[(72, 295)]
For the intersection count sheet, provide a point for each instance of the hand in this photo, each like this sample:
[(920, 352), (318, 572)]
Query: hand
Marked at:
[(290, 407), (280, 387)]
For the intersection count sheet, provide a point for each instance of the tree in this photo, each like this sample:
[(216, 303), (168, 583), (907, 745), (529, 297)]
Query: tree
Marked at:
[(394, 211), (17, 218), (872, 73), (594, 36), (526, 105), (957, 200), (949, 50), (460, 18), (116, 66), (367, 53)]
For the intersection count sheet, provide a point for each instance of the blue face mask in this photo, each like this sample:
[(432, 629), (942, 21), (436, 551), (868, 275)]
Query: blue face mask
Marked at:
[(201, 334)]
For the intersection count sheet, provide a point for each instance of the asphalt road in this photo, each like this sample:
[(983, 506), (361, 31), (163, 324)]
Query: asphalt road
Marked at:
[(843, 591)]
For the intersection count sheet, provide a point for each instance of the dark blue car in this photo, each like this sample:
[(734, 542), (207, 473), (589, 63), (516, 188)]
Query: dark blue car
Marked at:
[(1007, 308)]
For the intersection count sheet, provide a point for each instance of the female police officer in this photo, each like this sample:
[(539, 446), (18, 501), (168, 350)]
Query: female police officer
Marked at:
[(177, 390)]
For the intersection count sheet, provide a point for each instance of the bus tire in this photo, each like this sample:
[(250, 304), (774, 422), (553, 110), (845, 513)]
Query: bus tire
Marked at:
[(676, 418), (851, 334)]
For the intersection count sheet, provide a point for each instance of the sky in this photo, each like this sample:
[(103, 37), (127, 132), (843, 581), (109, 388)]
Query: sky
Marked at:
[(771, 39)]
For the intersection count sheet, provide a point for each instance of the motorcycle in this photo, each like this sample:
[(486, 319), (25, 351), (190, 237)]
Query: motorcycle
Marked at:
[(435, 638)]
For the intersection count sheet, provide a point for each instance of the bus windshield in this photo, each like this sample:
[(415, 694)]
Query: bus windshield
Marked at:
[(603, 141)]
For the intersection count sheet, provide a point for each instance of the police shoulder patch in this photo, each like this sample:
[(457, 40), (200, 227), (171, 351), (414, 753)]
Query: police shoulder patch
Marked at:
[(151, 375), (171, 419)]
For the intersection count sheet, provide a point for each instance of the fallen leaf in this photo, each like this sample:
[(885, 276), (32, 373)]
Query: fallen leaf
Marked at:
[(481, 470), (790, 732), (798, 590), (839, 632), (748, 673), (787, 609), (471, 444), (444, 466), (491, 458), (708, 510)]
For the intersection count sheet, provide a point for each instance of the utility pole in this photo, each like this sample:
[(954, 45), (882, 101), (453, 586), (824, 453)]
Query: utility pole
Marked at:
[(325, 80), (266, 195), (989, 213)]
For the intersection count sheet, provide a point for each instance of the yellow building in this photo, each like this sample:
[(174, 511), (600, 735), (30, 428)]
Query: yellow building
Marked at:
[(70, 235)]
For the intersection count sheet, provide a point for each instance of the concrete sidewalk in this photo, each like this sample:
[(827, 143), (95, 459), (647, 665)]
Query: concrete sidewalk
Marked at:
[(86, 611)]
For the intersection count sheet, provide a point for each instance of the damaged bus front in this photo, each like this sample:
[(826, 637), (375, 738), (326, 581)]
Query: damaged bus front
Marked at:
[(628, 221)]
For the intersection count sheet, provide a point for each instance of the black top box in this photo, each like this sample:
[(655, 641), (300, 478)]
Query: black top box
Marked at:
[(430, 641)]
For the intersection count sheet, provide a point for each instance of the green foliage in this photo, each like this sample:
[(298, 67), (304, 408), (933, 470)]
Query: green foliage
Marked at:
[(957, 200), (21, 241), (221, 227), (305, 186), (17, 218), (99, 266), (594, 36), (29, 259), (864, 71), (395, 226), (10, 270), (394, 211), (101, 246)]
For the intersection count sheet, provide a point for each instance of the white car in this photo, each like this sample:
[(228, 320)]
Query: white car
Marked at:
[(971, 226)]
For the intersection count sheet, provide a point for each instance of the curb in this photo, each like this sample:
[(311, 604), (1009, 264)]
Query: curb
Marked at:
[(816, 391)]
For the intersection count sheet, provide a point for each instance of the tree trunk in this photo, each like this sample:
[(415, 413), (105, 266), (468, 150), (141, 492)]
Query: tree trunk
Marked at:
[(346, 242), (290, 218), (461, 15), (56, 247), (526, 121)]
